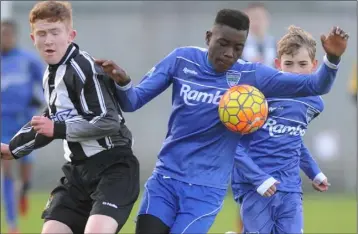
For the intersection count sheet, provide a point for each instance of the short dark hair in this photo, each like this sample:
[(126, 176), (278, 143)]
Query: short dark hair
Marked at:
[(10, 23), (233, 18)]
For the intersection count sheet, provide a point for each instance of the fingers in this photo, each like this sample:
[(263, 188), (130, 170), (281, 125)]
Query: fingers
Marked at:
[(37, 120), (339, 32), (271, 191)]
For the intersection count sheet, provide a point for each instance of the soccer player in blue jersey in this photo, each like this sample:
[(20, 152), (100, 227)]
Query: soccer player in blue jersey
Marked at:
[(277, 151), (189, 183), (21, 72)]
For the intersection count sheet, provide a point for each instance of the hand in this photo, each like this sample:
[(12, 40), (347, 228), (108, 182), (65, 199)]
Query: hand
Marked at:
[(43, 125), (322, 187), (114, 71), (336, 42), (272, 190), (5, 152)]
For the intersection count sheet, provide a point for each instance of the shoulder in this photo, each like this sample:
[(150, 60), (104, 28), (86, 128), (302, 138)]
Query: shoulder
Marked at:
[(84, 62), (314, 102), (190, 51), (242, 65)]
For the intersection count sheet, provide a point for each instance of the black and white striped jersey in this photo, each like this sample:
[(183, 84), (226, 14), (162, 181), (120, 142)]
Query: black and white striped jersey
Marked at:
[(81, 101)]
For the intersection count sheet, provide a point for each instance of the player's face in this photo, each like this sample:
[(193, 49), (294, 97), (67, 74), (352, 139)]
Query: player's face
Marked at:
[(52, 39), (8, 38), (225, 46), (300, 62)]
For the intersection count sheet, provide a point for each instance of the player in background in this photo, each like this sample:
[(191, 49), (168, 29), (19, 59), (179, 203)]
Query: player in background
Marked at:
[(101, 176), (190, 180), (277, 151), (260, 45), (21, 81)]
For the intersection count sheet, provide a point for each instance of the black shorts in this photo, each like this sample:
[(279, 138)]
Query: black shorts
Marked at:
[(106, 184)]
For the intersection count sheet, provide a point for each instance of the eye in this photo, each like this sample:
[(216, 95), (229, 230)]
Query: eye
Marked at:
[(222, 43)]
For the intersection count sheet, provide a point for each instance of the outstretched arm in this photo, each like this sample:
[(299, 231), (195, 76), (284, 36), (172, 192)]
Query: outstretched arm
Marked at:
[(275, 83), (153, 83)]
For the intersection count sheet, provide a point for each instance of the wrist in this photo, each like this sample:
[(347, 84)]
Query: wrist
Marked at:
[(124, 82), (319, 178), (333, 59), (59, 130), (266, 185)]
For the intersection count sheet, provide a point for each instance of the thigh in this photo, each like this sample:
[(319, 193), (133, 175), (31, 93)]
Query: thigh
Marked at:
[(290, 214), (199, 206), (257, 213), (117, 190), (159, 199), (66, 206)]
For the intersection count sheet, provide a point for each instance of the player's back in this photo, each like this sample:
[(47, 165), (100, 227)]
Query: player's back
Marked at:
[(275, 148), (198, 148)]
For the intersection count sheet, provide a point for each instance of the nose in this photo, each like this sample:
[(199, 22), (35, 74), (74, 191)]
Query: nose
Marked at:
[(48, 40), (229, 53)]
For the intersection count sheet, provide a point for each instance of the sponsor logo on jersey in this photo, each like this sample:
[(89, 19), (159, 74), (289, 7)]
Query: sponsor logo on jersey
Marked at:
[(277, 130), (193, 97)]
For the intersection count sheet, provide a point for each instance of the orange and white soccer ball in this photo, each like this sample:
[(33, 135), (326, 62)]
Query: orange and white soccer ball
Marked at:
[(243, 109)]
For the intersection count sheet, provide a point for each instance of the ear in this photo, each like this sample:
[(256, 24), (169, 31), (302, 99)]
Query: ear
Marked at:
[(314, 65), (32, 37), (278, 64), (73, 35), (208, 37)]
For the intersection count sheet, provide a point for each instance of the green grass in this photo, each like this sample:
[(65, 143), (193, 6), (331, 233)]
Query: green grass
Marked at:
[(323, 214)]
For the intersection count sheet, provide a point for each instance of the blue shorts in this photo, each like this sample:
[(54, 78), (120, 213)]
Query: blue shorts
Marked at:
[(279, 214), (185, 208)]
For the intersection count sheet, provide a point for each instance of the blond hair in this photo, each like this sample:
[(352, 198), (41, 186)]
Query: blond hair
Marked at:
[(295, 39), (52, 11)]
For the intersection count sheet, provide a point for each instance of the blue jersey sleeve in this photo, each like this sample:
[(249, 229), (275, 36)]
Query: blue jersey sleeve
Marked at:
[(274, 83), (248, 168), (36, 70), (158, 79), (308, 165)]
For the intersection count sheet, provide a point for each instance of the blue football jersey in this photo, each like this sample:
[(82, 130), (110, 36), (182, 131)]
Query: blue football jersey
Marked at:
[(277, 148), (21, 72), (198, 149)]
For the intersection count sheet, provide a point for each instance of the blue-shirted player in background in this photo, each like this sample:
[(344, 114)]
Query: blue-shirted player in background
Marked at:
[(278, 152), (21, 72), (191, 176)]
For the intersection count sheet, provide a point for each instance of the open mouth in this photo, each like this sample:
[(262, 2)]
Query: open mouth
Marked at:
[(49, 51)]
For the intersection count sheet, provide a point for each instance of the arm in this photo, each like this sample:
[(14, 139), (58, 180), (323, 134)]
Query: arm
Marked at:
[(310, 167), (261, 180), (27, 139), (154, 82), (274, 83), (100, 116)]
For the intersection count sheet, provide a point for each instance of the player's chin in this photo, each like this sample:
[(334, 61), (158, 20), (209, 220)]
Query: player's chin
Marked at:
[(221, 67)]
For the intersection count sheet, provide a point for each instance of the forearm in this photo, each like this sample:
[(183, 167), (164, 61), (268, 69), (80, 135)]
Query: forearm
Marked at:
[(307, 164), (128, 98), (79, 129), (27, 140), (326, 75)]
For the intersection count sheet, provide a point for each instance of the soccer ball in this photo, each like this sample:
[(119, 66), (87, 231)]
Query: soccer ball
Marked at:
[(243, 109)]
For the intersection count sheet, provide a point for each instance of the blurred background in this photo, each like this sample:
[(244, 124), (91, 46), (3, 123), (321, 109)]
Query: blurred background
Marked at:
[(138, 34)]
